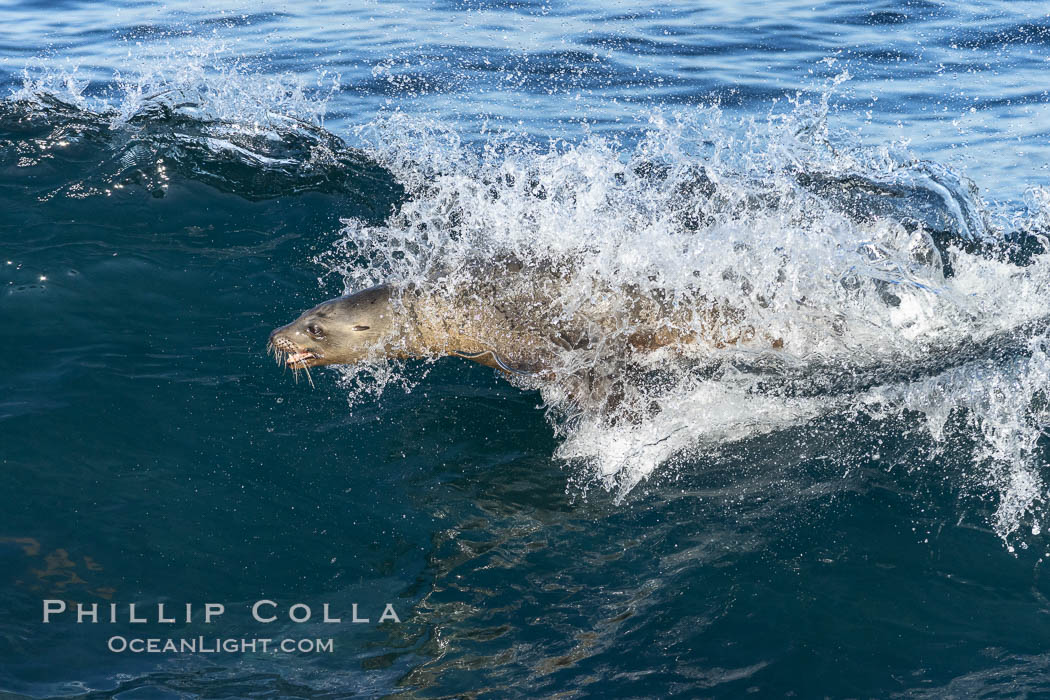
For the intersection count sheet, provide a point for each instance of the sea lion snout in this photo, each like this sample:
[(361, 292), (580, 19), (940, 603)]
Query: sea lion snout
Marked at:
[(288, 344), (276, 336)]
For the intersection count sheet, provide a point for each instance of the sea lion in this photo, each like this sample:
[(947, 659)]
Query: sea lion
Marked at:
[(378, 322), (517, 329)]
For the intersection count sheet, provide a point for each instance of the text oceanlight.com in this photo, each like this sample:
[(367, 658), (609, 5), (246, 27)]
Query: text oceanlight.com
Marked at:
[(202, 645)]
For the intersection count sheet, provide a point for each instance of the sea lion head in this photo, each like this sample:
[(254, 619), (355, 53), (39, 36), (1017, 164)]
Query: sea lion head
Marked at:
[(337, 332)]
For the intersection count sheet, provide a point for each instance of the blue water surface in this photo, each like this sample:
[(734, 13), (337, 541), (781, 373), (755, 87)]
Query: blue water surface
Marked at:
[(151, 453)]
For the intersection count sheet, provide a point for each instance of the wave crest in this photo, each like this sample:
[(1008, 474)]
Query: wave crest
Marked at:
[(855, 280)]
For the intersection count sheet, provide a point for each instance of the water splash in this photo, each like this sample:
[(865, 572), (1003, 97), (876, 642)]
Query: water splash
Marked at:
[(202, 77), (803, 275)]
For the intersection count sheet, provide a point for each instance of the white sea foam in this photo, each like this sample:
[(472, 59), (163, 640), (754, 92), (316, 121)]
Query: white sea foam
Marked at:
[(748, 216), (205, 78)]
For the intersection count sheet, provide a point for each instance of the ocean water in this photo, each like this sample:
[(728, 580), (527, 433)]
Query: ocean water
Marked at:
[(839, 492)]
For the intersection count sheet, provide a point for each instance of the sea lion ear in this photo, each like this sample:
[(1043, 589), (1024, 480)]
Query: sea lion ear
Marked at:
[(361, 328)]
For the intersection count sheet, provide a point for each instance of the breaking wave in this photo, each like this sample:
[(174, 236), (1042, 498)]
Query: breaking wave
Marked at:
[(801, 274), (198, 116), (796, 272)]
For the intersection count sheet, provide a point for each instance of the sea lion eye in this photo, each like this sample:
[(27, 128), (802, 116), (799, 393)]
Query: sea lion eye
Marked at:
[(361, 328), (315, 330)]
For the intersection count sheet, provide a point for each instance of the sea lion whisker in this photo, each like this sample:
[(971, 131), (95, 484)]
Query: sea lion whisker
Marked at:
[(306, 367)]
